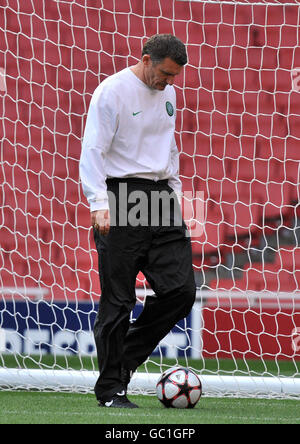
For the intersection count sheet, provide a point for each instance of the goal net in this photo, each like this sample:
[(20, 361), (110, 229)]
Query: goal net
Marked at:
[(238, 133)]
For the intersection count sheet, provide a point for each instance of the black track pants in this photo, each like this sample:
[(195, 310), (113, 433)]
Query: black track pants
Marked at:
[(163, 254)]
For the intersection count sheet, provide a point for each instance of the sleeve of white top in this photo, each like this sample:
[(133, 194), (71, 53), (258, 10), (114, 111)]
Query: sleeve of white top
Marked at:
[(174, 181), (101, 125)]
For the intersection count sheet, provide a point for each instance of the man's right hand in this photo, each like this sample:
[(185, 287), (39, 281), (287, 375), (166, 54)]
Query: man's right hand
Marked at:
[(100, 221)]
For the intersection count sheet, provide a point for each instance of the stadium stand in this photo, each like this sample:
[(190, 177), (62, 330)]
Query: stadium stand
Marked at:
[(238, 133)]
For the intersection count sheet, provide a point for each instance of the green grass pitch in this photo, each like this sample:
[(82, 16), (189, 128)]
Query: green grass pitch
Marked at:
[(65, 408), (20, 407)]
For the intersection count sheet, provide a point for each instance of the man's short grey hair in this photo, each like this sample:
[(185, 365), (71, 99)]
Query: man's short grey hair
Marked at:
[(161, 46)]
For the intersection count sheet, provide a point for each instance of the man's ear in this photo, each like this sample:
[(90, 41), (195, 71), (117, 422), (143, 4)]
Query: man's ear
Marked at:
[(146, 59)]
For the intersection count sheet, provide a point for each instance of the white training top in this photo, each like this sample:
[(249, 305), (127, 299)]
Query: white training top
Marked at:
[(129, 133)]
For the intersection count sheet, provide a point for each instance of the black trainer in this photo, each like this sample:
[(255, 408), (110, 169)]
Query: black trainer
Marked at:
[(119, 401)]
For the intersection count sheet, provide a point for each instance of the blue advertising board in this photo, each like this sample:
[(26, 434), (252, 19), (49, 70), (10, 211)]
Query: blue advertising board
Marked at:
[(62, 328)]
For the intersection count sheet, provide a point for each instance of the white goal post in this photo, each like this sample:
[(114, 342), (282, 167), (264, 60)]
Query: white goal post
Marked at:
[(238, 133), (213, 385)]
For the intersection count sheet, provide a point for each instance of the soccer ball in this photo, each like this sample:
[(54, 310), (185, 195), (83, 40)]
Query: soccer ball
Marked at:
[(179, 387)]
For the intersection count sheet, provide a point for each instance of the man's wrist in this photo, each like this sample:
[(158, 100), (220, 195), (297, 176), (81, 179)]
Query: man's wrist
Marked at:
[(99, 205)]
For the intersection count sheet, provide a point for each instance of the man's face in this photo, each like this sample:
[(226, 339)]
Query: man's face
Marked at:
[(159, 75)]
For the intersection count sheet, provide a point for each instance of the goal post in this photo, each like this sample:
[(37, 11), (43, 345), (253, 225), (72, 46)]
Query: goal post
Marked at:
[(238, 133)]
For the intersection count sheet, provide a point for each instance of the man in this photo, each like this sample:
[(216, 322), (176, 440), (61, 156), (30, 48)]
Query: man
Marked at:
[(128, 148)]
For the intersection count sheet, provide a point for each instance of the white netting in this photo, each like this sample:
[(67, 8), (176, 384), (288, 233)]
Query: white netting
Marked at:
[(238, 131)]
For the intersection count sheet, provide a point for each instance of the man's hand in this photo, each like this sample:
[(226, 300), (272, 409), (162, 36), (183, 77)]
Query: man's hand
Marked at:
[(100, 220)]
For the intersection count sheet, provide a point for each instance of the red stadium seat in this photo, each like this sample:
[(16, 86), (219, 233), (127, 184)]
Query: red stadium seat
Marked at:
[(274, 197), (287, 58), (247, 147), (211, 241), (252, 280), (273, 36), (276, 281), (206, 99), (222, 284), (291, 148), (269, 277), (216, 168), (288, 258), (238, 129)]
